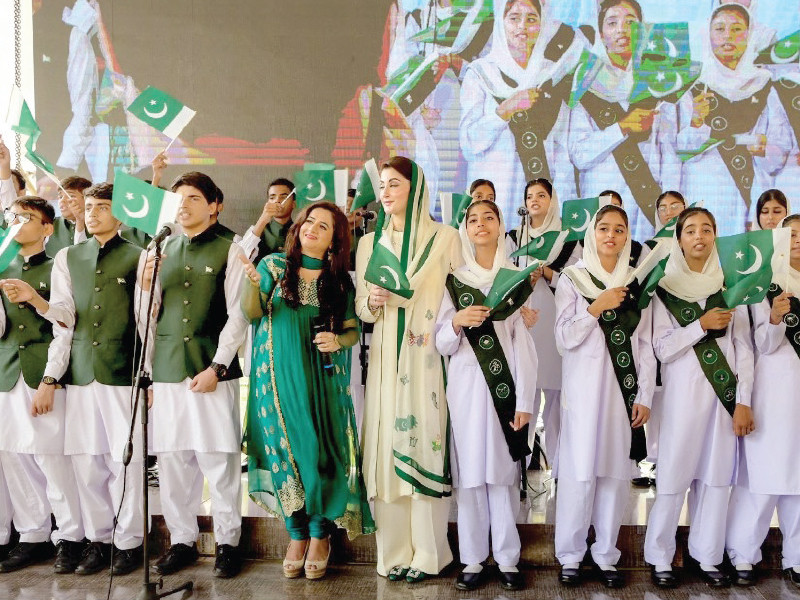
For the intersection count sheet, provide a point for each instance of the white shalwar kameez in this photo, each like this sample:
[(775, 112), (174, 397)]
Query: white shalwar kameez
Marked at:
[(768, 474)]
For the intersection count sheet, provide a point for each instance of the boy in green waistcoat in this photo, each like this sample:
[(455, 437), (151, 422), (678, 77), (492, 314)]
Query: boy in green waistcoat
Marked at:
[(196, 425), (95, 283), (69, 228), (268, 235), (32, 427)]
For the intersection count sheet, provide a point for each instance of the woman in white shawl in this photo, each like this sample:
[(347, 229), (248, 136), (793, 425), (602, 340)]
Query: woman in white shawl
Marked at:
[(513, 115), (707, 376), (768, 476), (544, 215), (406, 455), (485, 475), (732, 101), (616, 145), (605, 341)]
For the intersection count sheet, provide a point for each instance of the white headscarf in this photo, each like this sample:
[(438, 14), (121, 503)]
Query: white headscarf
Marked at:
[(659, 223), (552, 222), (499, 61), (611, 83), (590, 264), (747, 78), (471, 272), (756, 226), (679, 280)]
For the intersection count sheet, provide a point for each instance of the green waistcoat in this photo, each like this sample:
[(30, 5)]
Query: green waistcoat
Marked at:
[(103, 287), (223, 232), (193, 309), (24, 344), (63, 236), (135, 236)]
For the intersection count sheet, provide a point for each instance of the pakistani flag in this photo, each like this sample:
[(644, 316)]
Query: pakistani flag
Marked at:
[(454, 207), (9, 247), (321, 182), (506, 281), (368, 185), (575, 216), (709, 144), (751, 261), (662, 62), (545, 248), (139, 204), (585, 73), (384, 270), (784, 51), (19, 116), (668, 230), (161, 111), (650, 283)]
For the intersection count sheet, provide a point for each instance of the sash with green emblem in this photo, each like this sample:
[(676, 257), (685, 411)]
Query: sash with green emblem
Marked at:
[(790, 319), (492, 360), (712, 361)]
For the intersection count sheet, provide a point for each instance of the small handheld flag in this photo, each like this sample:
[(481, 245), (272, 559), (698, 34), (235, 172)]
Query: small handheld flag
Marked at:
[(161, 111), (368, 185), (576, 214), (661, 61), (321, 182), (506, 281), (384, 270), (9, 247), (784, 51), (751, 261), (454, 207), (138, 204), (545, 247)]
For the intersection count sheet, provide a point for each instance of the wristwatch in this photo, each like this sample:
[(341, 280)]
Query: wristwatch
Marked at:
[(47, 380), (220, 370)]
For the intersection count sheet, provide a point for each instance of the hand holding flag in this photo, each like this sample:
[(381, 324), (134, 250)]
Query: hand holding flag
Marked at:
[(506, 281), (751, 261)]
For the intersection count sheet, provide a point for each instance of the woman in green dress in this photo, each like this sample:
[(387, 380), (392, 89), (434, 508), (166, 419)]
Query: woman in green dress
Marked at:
[(300, 432)]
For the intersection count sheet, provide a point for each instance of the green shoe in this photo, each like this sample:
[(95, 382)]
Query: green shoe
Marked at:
[(415, 576), (397, 573)]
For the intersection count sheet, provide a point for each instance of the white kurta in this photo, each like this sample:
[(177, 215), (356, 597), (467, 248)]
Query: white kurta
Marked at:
[(770, 453), (23, 433), (695, 436), (480, 453), (595, 435), (491, 152), (705, 177), (591, 147)]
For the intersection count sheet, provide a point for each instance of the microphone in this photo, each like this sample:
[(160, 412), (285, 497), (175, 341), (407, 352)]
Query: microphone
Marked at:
[(318, 325), (369, 215), (164, 233), (522, 211)]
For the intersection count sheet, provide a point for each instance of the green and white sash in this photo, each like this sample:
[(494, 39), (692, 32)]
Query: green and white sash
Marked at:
[(712, 361), (491, 358), (790, 319)]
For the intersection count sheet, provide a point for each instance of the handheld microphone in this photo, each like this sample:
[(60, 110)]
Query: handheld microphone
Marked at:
[(318, 325), (369, 215), (164, 233), (522, 211)]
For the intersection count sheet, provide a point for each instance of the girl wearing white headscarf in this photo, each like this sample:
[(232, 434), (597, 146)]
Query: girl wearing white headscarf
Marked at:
[(520, 83), (605, 342), (734, 101), (707, 375), (485, 476), (616, 145), (768, 476), (406, 456), (544, 215)]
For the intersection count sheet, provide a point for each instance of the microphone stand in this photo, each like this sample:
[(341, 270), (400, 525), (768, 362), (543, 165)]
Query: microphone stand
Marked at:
[(141, 385)]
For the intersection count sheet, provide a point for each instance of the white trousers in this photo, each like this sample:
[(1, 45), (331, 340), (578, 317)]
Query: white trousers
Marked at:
[(579, 504), (181, 484), (708, 507), (42, 483), (6, 510), (749, 517), (100, 484), (412, 532), (551, 418), (484, 509)]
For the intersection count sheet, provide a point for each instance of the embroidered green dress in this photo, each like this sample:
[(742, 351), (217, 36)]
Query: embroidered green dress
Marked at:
[(301, 442)]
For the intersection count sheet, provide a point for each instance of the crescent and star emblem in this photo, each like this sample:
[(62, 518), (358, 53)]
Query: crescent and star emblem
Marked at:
[(322, 191), (756, 264), (678, 85), (586, 221), (142, 212), (392, 272), (158, 114)]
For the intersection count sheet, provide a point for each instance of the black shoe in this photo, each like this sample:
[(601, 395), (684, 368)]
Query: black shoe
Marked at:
[(715, 579), (68, 555), (228, 562), (511, 581), (25, 554), (179, 556), (4, 550), (96, 557), (126, 561), (793, 576), (642, 482), (612, 579), (744, 578), (470, 581), (570, 576), (663, 579)]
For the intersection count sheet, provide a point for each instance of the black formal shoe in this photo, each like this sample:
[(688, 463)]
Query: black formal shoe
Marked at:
[(228, 562), (4, 550), (715, 578), (68, 555), (25, 554), (611, 579), (511, 581), (793, 576), (570, 576), (126, 561), (663, 579), (96, 557), (179, 556), (642, 482), (744, 577), (470, 581)]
